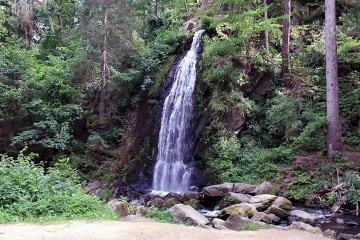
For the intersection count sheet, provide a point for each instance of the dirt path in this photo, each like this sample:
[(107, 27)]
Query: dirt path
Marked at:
[(139, 230)]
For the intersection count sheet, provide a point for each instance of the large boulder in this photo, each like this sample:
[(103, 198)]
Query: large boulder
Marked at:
[(262, 202), (239, 197), (218, 223), (302, 216), (235, 222), (282, 203), (262, 217), (94, 188), (305, 227), (243, 188), (281, 213), (243, 209), (220, 190), (188, 214), (120, 207), (189, 195), (265, 188)]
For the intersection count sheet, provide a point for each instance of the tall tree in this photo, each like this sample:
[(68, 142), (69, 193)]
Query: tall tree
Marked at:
[(103, 61), (333, 137), (285, 52), (266, 32)]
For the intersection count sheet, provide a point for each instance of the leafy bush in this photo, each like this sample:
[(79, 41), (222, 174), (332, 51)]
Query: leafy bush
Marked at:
[(28, 193)]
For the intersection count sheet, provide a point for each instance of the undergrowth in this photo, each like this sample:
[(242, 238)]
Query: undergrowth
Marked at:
[(29, 193)]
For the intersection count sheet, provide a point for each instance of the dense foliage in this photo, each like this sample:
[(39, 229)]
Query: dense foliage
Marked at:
[(28, 193), (253, 122)]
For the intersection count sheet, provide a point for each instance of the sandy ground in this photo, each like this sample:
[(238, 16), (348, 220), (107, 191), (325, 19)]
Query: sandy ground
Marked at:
[(139, 230)]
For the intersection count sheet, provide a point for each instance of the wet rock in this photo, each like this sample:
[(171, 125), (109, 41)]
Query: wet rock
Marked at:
[(265, 188), (188, 214), (344, 236), (302, 216), (305, 227), (340, 221), (330, 233), (277, 212), (243, 188), (274, 218), (262, 217), (262, 202), (282, 203), (234, 222), (218, 190), (352, 224)]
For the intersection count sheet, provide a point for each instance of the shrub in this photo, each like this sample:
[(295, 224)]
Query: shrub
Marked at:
[(28, 193)]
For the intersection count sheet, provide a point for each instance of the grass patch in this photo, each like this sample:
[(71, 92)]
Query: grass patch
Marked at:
[(250, 226)]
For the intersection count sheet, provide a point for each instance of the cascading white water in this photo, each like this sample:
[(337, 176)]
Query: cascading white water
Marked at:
[(173, 168)]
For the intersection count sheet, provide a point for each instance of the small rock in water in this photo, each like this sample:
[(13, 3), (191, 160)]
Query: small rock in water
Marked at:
[(340, 221), (352, 224)]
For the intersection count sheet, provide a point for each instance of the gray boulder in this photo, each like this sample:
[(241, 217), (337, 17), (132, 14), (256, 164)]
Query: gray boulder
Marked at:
[(305, 227), (262, 202), (239, 197), (345, 236), (220, 190), (243, 188), (188, 214), (265, 188), (277, 212), (234, 222), (262, 217), (218, 223), (302, 216), (330, 233), (282, 203), (94, 188), (189, 195)]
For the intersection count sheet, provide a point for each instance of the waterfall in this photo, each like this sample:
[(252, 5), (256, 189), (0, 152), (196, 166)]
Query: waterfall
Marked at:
[(174, 161)]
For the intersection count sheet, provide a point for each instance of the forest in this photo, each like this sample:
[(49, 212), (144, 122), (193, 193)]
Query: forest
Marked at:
[(82, 84)]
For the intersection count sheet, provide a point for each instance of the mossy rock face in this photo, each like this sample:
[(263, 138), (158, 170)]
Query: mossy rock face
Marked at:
[(266, 188), (194, 203), (243, 209), (282, 203)]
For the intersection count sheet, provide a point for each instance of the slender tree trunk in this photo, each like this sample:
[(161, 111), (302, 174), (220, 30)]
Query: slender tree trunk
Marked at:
[(156, 7), (285, 52), (103, 62), (266, 32), (333, 137), (204, 5), (60, 23), (186, 6)]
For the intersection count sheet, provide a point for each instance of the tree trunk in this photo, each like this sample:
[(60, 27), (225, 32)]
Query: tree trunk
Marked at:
[(103, 63), (156, 7), (285, 52), (266, 32), (333, 137), (60, 23), (204, 5)]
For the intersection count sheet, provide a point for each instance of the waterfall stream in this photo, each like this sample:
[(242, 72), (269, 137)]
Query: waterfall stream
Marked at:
[(174, 161)]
